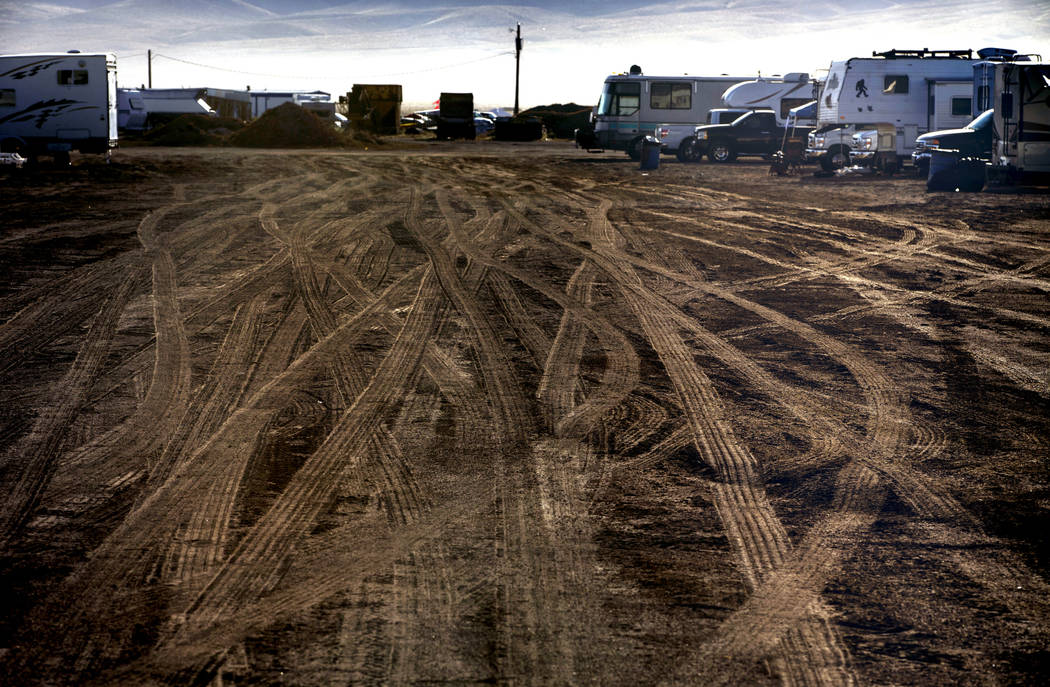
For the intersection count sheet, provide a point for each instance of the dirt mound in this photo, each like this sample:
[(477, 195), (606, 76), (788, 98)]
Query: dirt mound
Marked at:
[(561, 120), (288, 126), (193, 130)]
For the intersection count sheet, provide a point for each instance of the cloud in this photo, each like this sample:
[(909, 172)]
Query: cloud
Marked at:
[(467, 44)]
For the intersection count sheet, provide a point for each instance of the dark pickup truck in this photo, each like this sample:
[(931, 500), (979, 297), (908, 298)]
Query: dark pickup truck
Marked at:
[(755, 133), (974, 139)]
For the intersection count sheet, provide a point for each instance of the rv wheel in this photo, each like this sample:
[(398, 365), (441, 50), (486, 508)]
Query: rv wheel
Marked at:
[(837, 158), (689, 151), (721, 151)]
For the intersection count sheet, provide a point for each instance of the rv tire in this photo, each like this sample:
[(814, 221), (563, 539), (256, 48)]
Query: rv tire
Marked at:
[(721, 151), (689, 150)]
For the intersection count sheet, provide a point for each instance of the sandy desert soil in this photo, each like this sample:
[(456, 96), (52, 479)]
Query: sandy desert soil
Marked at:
[(519, 414)]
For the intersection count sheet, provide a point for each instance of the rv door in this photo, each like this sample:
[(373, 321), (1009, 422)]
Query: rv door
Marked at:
[(951, 105)]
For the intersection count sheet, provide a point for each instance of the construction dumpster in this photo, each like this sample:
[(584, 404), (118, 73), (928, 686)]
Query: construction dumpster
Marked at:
[(375, 107)]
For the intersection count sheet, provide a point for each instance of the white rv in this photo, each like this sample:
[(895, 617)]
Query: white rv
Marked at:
[(51, 104), (635, 105), (141, 109), (777, 94), (1021, 128), (912, 91), (267, 100)]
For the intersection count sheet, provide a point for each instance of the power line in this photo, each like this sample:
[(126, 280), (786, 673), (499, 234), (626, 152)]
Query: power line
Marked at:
[(314, 76), (234, 71)]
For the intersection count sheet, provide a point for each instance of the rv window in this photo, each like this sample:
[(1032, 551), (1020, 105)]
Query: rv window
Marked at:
[(962, 106), (7, 97), (895, 83), (787, 103), (671, 96), (72, 77), (984, 98), (620, 99)]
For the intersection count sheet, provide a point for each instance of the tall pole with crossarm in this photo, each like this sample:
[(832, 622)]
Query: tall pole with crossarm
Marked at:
[(517, 68)]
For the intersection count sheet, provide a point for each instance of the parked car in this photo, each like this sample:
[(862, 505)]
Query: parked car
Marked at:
[(974, 139)]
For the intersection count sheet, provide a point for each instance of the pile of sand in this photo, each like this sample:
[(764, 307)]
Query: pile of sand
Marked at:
[(193, 130), (288, 126), (561, 120)]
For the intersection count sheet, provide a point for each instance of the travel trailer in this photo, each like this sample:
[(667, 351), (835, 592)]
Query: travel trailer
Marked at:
[(635, 105), (139, 109), (912, 91), (267, 100), (1021, 125), (777, 94), (51, 104)]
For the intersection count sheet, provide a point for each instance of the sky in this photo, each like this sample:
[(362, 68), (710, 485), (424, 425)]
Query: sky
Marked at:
[(430, 46)]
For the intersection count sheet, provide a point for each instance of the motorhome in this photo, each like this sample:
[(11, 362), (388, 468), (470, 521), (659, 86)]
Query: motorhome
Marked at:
[(635, 105), (912, 91), (51, 104), (984, 74), (1021, 125), (777, 94)]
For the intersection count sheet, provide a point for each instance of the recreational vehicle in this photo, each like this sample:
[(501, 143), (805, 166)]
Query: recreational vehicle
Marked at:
[(634, 105), (910, 91), (778, 94), (51, 104), (267, 100), (139, 109), (1021, 126)]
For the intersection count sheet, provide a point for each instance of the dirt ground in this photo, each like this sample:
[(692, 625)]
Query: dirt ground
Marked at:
[(519, 414)]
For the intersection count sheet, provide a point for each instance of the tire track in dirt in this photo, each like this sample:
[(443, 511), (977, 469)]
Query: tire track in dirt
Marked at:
[(915, 488), (90, 598), (221, 393), (329, 564), (528, 641), (57, 308), (135, 443), (37, 453), (621, 369), (739, 502), (559, 385), (386, 462), (201, 543), (250, 571)]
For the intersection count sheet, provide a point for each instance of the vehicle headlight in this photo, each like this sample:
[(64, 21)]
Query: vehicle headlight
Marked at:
[(932, 143), (818, 141), (701, 135)]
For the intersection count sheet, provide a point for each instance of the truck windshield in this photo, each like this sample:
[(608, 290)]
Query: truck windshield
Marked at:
[(982, 120), (620, 99)]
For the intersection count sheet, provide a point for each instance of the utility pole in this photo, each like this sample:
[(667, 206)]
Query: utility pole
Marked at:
[(149, 67), (517, 68)]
